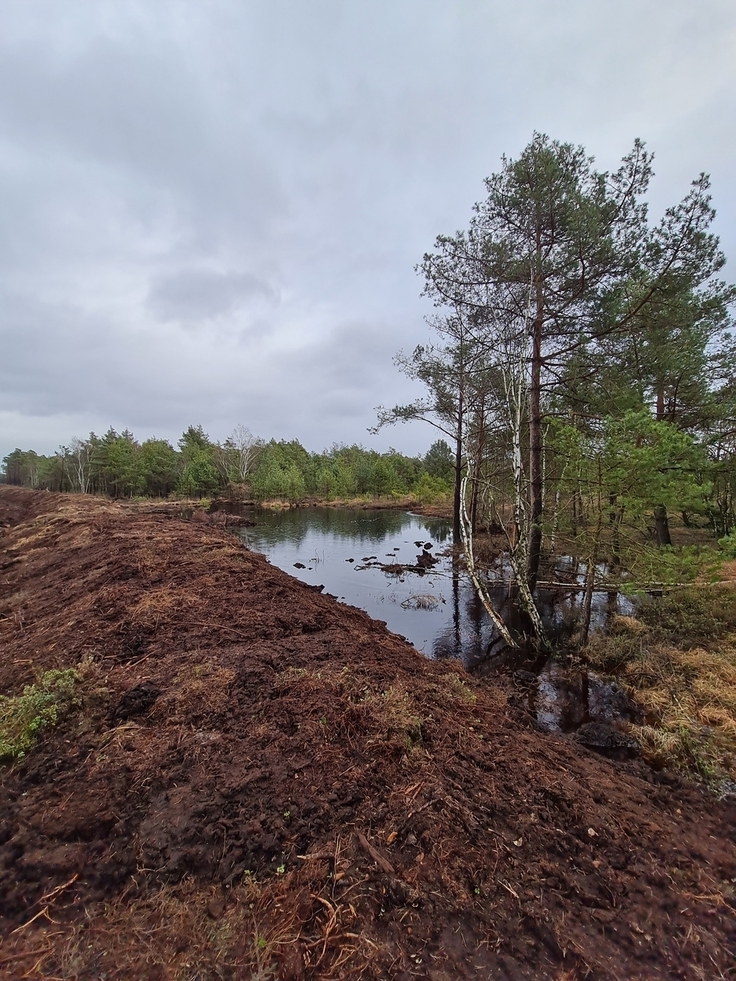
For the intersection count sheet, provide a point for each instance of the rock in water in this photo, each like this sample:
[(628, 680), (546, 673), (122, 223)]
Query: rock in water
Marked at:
[(608, 702)]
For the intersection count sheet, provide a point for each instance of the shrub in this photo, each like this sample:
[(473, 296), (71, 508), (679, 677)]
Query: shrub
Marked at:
[(427, 489), (692, 615), (23, 717), (727, 545), (671, 566)]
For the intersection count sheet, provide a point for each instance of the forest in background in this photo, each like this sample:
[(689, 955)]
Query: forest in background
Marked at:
[(117, 465)]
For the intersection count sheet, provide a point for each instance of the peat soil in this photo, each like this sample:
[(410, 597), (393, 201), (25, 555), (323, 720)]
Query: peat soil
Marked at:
[(258, 782)]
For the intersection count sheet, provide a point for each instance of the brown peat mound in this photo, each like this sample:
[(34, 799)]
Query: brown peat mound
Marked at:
[(257, 782)]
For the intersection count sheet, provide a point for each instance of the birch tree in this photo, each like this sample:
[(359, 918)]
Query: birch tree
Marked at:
[(447, 369), (245, 448), (79, 458)]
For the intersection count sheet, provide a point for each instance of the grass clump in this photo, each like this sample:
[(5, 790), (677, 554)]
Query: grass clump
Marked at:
[(693, 615), (689, 698), (23, 717), (727, 545), (677, 659), (395, 717)]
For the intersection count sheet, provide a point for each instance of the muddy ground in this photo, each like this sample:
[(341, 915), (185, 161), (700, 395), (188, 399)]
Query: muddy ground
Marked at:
[(257, 782)]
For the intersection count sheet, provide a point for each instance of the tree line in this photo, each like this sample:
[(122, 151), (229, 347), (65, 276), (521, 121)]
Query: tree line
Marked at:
[(118, 465), (582, 364)]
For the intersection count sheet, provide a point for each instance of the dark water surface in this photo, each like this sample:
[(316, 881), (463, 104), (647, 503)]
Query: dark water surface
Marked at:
[(369, 559), (399, 568)]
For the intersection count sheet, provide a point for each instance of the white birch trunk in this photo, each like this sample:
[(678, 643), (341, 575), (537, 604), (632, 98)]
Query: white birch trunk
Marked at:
[(466, 532)]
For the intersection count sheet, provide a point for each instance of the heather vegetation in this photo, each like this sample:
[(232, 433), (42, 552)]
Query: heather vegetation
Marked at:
[(23, 717)]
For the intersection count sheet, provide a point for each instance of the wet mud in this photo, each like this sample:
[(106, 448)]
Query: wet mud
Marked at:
[(260, 782)]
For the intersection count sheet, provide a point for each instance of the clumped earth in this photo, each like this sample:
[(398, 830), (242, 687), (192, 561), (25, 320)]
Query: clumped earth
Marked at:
[(256, 782)]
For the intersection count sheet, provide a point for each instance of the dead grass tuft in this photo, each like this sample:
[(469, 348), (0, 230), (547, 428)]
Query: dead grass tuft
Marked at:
[(678, 660), (177, 933), (689, 698), (627, 626), (288, 926), (202, 690), (396, 718), (355, 709), (163, 605)]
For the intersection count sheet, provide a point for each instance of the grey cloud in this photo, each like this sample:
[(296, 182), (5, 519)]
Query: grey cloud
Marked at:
[(141, 121), (163, 166), (193, 295)]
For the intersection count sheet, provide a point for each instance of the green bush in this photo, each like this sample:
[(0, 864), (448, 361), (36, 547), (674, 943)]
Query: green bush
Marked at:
[(23, 717), (670, 566), (427, 489), (727, 545)]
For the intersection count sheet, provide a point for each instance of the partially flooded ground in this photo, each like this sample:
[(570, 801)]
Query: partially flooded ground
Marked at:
[(397, 566), (255, 781), (401, 568)]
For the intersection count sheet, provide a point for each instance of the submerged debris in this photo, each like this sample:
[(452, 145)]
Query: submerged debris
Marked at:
[(423, 601), (605, 739)]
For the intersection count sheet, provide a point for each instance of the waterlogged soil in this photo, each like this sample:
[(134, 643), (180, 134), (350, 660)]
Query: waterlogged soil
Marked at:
[(259, 782)]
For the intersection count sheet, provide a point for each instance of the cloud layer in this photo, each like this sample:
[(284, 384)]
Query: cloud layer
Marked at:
[(211, 212)]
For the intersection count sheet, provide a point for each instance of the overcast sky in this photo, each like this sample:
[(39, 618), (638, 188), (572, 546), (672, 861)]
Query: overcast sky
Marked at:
[(211, 212)]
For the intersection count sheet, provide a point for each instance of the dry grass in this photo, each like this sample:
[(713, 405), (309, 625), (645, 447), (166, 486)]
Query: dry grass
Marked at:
[(160, 604), (396, 717), (290, 925), (690, 702), (353, 707), (453, 687), (391, 715), (202, 690), (679, 663), (72, 512), (178, 933)]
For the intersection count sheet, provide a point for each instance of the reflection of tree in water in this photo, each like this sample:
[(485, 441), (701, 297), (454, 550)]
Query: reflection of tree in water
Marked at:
[(470, 635), (297, 524), (438, 529), (449, 643)]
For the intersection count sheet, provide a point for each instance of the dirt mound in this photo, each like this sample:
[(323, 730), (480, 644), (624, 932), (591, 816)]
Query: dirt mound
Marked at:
[(259, 782)]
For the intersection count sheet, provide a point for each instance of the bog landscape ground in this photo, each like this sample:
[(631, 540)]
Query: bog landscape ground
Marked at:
[(241, 778)]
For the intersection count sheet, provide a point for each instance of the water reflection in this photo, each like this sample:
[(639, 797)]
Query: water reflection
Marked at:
[(400, 568), (373, 527)]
